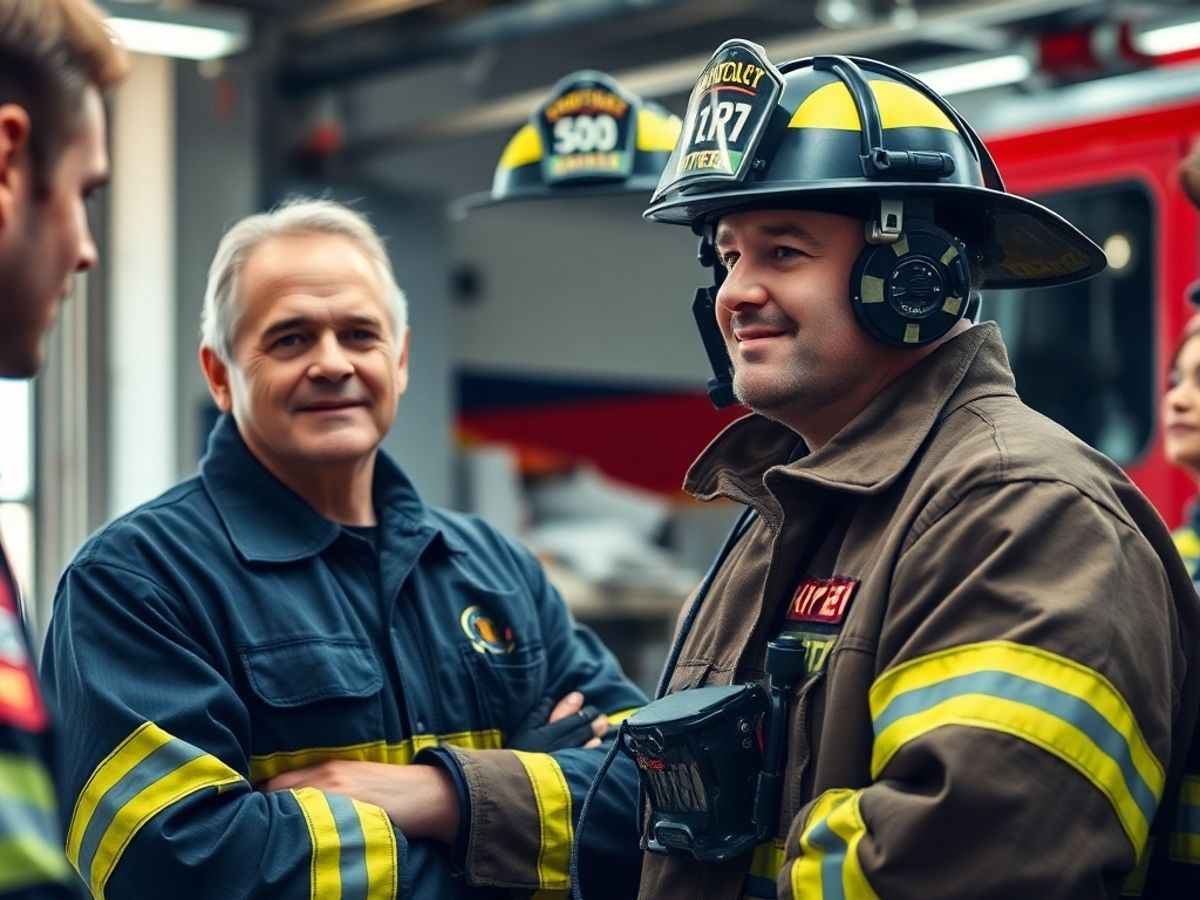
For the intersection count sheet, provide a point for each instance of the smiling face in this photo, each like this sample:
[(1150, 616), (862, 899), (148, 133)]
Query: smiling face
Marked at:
[(784, 310), (44, 235), (317, 369), (1181, 409)]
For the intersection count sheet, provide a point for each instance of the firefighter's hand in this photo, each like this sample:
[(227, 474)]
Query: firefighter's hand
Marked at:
[(568, 724), (1189, 174), (420, 800)]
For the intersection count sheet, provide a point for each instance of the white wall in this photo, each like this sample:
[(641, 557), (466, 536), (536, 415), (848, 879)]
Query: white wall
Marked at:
[(583, 287), (219, 182), (141, 277)]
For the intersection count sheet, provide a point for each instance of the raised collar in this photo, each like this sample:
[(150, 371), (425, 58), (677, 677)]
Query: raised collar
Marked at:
[(268, 522), (871, 451)]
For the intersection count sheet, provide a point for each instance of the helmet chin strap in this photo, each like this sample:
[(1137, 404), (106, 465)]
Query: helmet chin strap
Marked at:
[(704, 309)]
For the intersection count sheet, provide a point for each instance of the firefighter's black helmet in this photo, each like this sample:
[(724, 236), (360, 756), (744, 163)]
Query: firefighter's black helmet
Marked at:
[(857, 136), (589, 136)]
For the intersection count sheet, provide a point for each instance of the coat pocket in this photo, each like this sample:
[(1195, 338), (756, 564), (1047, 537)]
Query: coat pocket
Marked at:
[(301, 671), (506, 686)]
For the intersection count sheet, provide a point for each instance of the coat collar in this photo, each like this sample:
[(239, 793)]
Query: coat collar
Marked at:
[(268, 522), (874, 448)]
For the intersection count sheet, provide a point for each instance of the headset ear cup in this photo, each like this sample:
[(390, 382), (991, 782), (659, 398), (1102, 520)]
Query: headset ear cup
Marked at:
[(911, 292)]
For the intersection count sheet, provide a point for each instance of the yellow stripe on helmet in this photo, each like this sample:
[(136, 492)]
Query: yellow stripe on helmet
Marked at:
[(524, 148), (656, 132), (900, 106)]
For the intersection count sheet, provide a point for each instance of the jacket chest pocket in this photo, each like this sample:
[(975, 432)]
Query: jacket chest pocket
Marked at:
[(506, 686), (309, 692)]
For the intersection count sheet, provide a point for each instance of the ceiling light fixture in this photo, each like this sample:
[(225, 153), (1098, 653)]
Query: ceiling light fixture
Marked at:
[(193, 33), (996, 71), (1167, 39)]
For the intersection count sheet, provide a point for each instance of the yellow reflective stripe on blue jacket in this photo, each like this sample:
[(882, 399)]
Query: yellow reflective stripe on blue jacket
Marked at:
[(1048, 700), (353, 847), (553, 799), (618, 717), (147, 772), (1185, 832), (400, 753), (828, 867), (30, 843)]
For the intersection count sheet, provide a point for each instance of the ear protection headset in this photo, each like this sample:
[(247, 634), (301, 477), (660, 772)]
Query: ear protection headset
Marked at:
[(912, 281)]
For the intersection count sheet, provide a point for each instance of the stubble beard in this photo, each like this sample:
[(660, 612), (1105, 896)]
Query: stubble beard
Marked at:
[(771, 394), (786, 394)]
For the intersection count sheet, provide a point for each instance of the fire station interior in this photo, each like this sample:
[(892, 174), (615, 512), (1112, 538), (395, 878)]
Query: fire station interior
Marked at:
[(557, 381)]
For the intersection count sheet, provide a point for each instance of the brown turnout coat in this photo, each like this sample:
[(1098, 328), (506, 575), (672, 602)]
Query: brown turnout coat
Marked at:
[(995, 715)]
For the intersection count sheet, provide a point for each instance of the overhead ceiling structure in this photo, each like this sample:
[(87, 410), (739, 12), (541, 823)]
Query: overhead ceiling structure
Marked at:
[(403, 75)]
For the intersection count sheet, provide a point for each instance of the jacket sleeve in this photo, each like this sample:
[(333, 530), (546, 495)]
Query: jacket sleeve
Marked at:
[(1028, 674), (525, 806), (32, 866), (155, 787)]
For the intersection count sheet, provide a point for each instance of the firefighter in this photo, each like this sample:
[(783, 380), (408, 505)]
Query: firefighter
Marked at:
[(253, 662), (1001, 642), (56, 59)]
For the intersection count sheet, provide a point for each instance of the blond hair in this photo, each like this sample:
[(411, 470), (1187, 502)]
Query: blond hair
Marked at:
[(51, 52)]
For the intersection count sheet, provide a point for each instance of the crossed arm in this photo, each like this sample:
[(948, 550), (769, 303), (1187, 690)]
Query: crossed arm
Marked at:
[(421, 800)]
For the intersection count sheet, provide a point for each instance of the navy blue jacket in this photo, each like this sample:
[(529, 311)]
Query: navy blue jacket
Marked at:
[(226, 632)]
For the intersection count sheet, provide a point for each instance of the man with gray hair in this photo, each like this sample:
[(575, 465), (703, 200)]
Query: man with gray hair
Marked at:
[(253, 662)]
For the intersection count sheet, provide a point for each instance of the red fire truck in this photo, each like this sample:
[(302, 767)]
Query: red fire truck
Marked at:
[(1094, 356)]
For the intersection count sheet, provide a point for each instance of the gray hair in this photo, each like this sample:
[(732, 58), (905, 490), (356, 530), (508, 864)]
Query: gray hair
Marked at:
[(295, 216)]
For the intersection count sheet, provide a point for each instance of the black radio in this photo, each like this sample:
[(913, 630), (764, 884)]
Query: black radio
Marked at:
[(711, 759)]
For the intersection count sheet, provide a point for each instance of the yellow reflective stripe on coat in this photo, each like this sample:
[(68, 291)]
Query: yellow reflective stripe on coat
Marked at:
[(400, 753), (353, 847), (1187, 542), (765, 863), (767, 860), (1185, 832), (30, 842), (828, 867), (149, 771), (1048, 700), (553, 799), (1135, 881)]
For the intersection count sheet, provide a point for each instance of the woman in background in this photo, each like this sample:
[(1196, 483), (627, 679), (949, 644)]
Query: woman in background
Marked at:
[(1181, 430), (1181, 403)]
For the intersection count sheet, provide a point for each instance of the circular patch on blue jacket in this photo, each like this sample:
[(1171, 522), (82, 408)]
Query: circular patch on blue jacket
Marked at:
[(487, 636)]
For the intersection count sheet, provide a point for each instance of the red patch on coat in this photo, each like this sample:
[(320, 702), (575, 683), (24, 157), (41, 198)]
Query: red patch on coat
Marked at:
[(825, 600), (20, 702)]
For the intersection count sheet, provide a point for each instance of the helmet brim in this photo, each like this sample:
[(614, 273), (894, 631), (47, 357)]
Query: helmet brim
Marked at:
[(1024, 244), (642, 185)]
